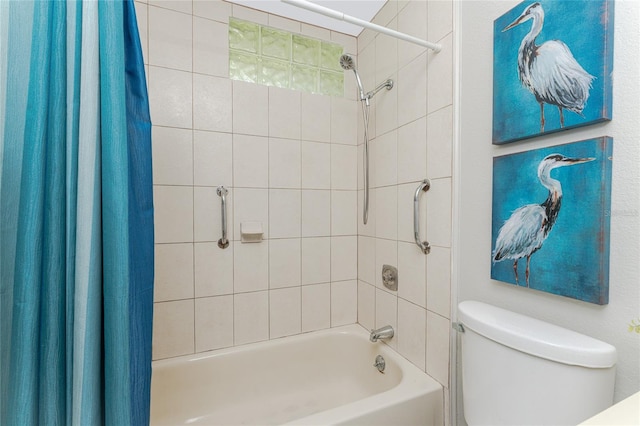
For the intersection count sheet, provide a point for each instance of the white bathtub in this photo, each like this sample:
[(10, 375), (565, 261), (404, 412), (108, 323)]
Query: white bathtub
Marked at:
[(320, 378)]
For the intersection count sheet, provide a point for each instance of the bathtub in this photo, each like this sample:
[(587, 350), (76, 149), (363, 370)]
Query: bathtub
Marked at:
[(321, 378)]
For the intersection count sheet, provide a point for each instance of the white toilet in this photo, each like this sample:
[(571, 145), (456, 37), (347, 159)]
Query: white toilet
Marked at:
[(518, 370)]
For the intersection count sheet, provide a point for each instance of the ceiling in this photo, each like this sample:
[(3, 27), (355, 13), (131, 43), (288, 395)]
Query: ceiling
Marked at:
[(362, 9)]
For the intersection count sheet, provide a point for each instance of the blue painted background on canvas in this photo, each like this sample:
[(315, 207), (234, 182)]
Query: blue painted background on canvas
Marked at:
[(574, 259), (586, 27)]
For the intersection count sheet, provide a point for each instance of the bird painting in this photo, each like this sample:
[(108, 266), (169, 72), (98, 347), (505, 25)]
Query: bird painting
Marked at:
[(528, 227), (550, 71), (552, 67)]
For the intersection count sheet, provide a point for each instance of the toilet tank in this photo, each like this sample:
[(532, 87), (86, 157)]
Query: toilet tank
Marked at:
[(518, 370)]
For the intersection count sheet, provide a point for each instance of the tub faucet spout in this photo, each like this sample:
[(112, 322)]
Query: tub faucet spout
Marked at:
[(385, 332)]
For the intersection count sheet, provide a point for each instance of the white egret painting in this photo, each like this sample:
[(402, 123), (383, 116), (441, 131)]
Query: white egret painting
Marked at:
[(553, 61)]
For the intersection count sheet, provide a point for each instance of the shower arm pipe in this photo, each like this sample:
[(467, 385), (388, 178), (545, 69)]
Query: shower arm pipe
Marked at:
[(304, 4), (388, 84)]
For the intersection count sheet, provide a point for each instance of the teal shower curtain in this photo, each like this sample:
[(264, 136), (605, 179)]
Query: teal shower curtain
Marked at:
[(76, 215)]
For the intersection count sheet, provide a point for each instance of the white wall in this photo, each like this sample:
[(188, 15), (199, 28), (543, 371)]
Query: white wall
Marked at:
[(610, 322)]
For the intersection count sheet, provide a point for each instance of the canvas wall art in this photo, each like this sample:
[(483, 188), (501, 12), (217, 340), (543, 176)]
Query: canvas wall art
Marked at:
[(552, 65), (550, 225)]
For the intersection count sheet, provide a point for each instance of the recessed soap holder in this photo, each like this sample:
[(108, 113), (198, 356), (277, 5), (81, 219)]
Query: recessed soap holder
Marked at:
[(390, 277)]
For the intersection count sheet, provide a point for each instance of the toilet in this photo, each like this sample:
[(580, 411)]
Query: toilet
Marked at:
[(518, 370)]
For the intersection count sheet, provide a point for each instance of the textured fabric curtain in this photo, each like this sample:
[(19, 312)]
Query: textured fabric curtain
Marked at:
[(76, 224)]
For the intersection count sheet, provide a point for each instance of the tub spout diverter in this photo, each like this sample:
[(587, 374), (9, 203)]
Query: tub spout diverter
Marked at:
[(385, 332)]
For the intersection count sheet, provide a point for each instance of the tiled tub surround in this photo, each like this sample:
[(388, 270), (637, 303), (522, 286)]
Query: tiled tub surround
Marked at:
[(418, 109), (288, 159), (293, 161)]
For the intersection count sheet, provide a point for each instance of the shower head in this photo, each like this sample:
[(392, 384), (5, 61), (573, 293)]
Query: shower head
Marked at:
[(347, 63)]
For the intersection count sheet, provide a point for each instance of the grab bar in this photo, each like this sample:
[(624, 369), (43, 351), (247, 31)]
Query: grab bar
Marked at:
[(223, 242), (424, 245)]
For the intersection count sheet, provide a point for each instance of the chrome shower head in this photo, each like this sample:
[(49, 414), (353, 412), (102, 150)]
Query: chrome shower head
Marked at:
[(346, 62)]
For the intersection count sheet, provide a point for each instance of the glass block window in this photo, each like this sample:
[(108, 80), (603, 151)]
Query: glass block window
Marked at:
[(273, 57)]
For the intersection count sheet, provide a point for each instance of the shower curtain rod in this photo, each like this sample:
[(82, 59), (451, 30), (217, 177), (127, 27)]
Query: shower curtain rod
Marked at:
[(304, 4)]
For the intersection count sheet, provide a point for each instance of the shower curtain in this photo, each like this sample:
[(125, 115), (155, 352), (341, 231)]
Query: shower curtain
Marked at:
[(76, 224)]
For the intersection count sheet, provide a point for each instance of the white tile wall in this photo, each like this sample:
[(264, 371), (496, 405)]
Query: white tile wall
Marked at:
[(386, 159), (412, 89), (250, 205), (213, 269), (366, 259), (284, 213), (170, 38), (250, 161), (439, 212), (284, 263), (344, 302), (212, 103), (170, 97), (316, 213), (412, 332), (366, 305), (250, 101), (212, 158), (250, 317), (343, 124), (411, 20), (440, 76), (207, 215), (439, 281), (412, 263), (172, 156), (172, 281), (387, 313), (386, 211), (210, 47), (173, 331), (216, 10), (440, 135), (438, 328), (343, 213), (213, 323), (292, 161), (184, 6), (343, 167), (316, 165), (316, 117), (285, 309), (284, 113), (344, 258), (316, 260), (284, 163), (412, 151), (173, 214), (412, 134), (250, 267), (316, 307)]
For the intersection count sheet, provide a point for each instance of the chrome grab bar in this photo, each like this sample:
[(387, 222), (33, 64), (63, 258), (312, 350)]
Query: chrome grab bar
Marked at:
[(424, 245), (223, 242)]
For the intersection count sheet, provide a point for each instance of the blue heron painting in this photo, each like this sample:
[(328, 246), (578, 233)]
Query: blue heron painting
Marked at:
[(550, 57), (550, 227)]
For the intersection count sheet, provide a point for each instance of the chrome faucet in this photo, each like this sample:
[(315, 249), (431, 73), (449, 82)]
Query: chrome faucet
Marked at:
[(385, 332)]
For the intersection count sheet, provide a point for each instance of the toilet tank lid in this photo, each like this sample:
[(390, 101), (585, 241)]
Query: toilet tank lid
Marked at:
[(535, 337)]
